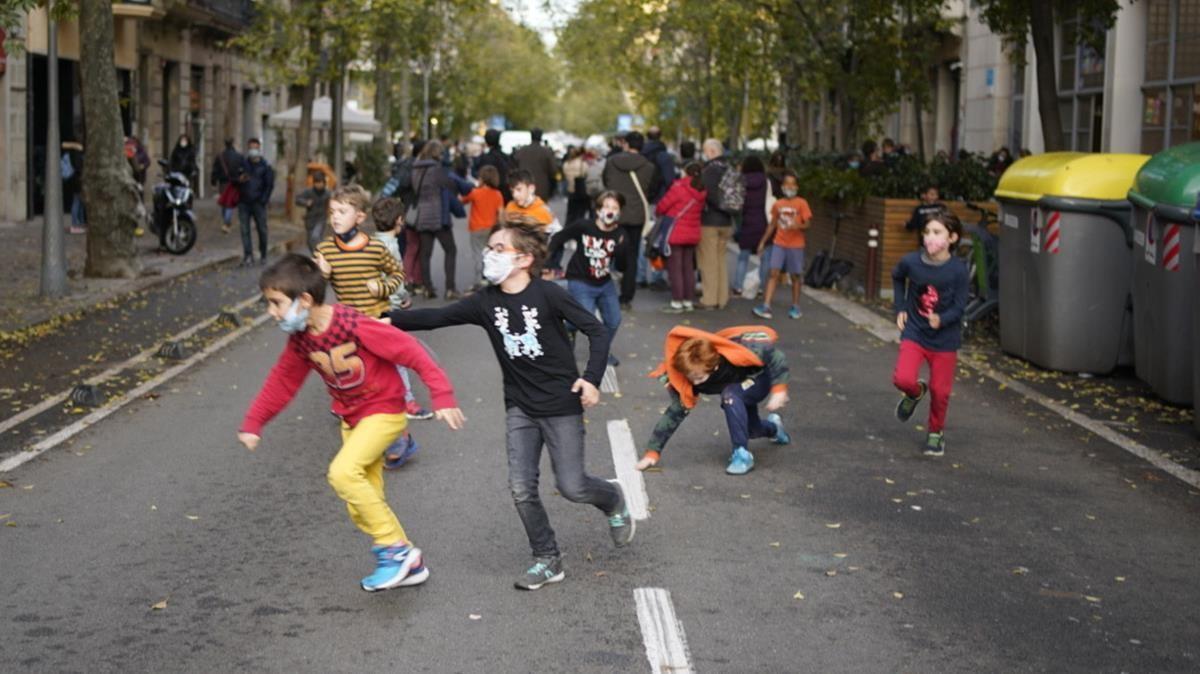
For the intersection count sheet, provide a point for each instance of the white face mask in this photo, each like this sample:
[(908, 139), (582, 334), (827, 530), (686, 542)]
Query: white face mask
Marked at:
[(497, 266), (294, 319), (608, 217)]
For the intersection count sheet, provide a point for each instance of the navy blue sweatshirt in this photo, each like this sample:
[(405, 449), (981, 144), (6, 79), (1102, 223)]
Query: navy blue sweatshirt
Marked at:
[(931, 288)]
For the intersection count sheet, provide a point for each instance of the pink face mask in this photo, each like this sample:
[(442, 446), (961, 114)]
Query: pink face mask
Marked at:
[(934, 245)]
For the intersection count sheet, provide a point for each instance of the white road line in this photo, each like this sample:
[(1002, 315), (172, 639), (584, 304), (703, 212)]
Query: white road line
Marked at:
[(56, 399), (124, 399), (662, 633), (610, 384), (625, 461), (886, 331)]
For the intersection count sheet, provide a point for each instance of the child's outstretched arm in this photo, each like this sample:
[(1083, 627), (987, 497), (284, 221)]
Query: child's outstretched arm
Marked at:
[(281, 385), (463, 312), (402, 348), (663, 430)]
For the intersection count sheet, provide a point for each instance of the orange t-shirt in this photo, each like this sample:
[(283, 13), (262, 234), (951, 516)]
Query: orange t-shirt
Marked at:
[(793, 216), (537, 210), (486, 203)]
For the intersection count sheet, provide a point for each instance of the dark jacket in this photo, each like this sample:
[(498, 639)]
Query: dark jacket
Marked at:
[(231, 161), (429, 178), (664, 162), (259, 183), (503, 163), (618, 176), (754, 210), (538, 160), (183, 160), (712, 215)]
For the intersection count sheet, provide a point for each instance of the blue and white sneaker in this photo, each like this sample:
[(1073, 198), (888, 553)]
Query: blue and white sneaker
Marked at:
[(763, 311), (740, 462), (545, 570), (395, 566), (400, 452), (781, 436)]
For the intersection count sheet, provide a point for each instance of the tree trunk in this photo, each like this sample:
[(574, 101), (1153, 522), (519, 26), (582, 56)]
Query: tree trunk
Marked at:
[(54, 249), (406, 101), (383, 92), (1041, 27), (110, 194), (303, 144), (337, 133)]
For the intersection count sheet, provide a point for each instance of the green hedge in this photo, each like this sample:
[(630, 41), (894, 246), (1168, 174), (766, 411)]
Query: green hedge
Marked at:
[(828, 177)]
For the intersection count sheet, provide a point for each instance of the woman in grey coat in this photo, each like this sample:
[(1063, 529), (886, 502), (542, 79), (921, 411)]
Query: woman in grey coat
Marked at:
[(429, 180)]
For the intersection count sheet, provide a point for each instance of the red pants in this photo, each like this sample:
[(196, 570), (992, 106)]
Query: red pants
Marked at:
[(941, 378), (412, 257)]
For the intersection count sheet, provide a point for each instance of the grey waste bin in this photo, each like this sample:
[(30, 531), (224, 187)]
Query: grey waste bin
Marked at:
[(1064, 260)]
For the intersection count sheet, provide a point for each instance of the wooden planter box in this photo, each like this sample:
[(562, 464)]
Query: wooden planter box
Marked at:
[(886, 215)]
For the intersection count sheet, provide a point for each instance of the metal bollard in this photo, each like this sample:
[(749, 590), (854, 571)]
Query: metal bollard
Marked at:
[(872, 263), (86, 395), (172, 351)]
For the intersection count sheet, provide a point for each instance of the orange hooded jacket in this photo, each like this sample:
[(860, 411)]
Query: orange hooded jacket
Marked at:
[(723, 342)]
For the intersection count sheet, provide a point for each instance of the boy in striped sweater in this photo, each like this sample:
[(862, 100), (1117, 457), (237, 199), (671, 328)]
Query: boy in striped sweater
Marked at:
[(364, 274)]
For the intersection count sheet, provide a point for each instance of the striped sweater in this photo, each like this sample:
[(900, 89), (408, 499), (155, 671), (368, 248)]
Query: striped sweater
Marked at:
[(354, 264)]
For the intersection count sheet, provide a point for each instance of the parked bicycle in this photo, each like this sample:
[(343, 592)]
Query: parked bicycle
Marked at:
[(980, 249)]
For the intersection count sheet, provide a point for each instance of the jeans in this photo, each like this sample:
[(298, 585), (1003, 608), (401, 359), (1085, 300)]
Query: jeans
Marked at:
[(603, 297), (479, 241), (445, 237), (627, 259), (681, 264), (259, 213), (741, 410), (227, 215), (563, 438)]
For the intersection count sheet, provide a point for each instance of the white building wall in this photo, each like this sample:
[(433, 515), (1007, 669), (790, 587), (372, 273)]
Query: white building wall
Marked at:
[(987, 89), (1125, 61)]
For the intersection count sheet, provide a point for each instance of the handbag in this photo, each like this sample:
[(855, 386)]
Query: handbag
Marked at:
[(230, 194), (658, 241)]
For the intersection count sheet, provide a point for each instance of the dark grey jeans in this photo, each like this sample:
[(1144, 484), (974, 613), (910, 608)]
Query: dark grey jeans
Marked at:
[(563, 437)]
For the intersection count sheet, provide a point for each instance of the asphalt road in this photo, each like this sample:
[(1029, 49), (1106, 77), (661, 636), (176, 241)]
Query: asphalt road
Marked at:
[(1031, 546)]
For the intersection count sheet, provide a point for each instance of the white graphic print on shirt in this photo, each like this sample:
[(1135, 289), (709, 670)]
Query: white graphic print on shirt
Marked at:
[(787, 217), (526, 343), (599, 254)]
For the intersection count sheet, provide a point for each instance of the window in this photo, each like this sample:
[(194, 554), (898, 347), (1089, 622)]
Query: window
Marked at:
[(1171, 93), (1081, 88)]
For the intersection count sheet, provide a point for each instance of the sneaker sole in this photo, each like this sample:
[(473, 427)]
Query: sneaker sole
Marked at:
[(413, 556), (930, 452), (557, 578), (900, 416), (415, 578), (632, 522)]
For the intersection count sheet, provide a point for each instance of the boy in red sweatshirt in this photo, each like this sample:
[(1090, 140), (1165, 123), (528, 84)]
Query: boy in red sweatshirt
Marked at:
[(356, 356)]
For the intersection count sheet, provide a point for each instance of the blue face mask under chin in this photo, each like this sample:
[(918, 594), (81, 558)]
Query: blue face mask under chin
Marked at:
[(294, 319)]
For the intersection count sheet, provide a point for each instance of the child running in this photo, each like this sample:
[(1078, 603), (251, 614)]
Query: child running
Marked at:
[(356, 356), (740, 364), (365, 275), (487, 203), (790, 216), (588, 277), (523, 316), (930, 288), (526, 206)]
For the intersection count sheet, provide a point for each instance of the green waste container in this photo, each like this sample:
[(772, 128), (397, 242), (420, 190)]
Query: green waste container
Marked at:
[(1065, 268), (1165, 294)]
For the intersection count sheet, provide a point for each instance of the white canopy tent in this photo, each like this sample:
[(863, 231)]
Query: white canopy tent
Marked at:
[(353, 121)]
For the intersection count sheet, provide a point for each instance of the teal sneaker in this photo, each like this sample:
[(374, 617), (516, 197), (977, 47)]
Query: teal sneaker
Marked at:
[(908, 405), (740, 462), (794, 313), (545, 570), (620, 522), (935, 444), (395, 566), (781, 436), (763, 311)]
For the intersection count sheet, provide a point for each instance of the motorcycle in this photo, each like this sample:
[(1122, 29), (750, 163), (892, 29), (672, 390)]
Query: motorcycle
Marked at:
[(172, 219)]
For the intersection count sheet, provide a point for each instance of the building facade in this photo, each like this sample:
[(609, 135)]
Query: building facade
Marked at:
[(174, 77)]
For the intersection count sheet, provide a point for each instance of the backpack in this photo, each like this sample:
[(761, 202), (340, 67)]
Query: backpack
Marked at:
[(65, 167), (400, 184), (595, 178), (731, 191)]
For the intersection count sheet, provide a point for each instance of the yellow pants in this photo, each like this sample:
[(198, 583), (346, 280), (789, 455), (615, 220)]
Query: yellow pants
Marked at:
[(356, 474)]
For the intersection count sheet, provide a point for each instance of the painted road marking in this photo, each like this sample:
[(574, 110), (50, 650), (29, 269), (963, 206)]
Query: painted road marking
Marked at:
[(662, 633), (610, 384), (886, 331), (625, 461), (124, 399), (30, 412)]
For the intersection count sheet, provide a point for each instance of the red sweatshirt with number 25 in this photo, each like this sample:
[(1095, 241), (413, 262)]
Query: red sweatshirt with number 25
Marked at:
[(357, 358)]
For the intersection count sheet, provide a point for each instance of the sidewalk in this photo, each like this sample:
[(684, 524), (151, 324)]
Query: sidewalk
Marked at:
[(23, 313)]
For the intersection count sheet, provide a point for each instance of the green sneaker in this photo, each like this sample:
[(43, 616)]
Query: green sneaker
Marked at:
[(620, 523), (908, 405), (935, 444), (545, 570)]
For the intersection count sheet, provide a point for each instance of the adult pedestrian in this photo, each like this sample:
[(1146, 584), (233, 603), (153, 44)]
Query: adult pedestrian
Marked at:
[(539, 160), (494, 156), (222, 175), (683, 201), (776, 168), (139, 160), (575, 175), (432, 184), (315, 201), (183, 159), (687, 152), (716, 228), (71, 169), (754, 221), (413, 273), (663, 161), (256, 181), (631, 175)]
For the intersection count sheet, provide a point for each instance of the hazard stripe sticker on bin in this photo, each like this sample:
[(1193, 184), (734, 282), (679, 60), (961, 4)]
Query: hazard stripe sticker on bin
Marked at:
[(1052, 244), (1171, 248)]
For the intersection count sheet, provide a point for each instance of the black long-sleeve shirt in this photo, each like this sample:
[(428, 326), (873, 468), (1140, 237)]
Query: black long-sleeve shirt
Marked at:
[(922, 287), (594, 255), (530, 341)]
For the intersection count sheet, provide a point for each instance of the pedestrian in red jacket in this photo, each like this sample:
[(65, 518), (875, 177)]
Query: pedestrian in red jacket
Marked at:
[(684, 201)]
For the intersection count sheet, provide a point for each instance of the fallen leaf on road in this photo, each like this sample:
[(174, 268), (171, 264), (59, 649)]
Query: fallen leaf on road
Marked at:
[(192, 517), (1090, 517), (10, 524), (888, 480), (798, 595), (831, 573), (601, 574), (475, 616), (5, 516), (774, 544), (159, 606), (745, 496), (897, 500), (27, 487), (853, 568), (1094, 600), (834, 525), (698, 487), (916, 507), (1020, 571), (840, 555), (4, 484), (898, 595)]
